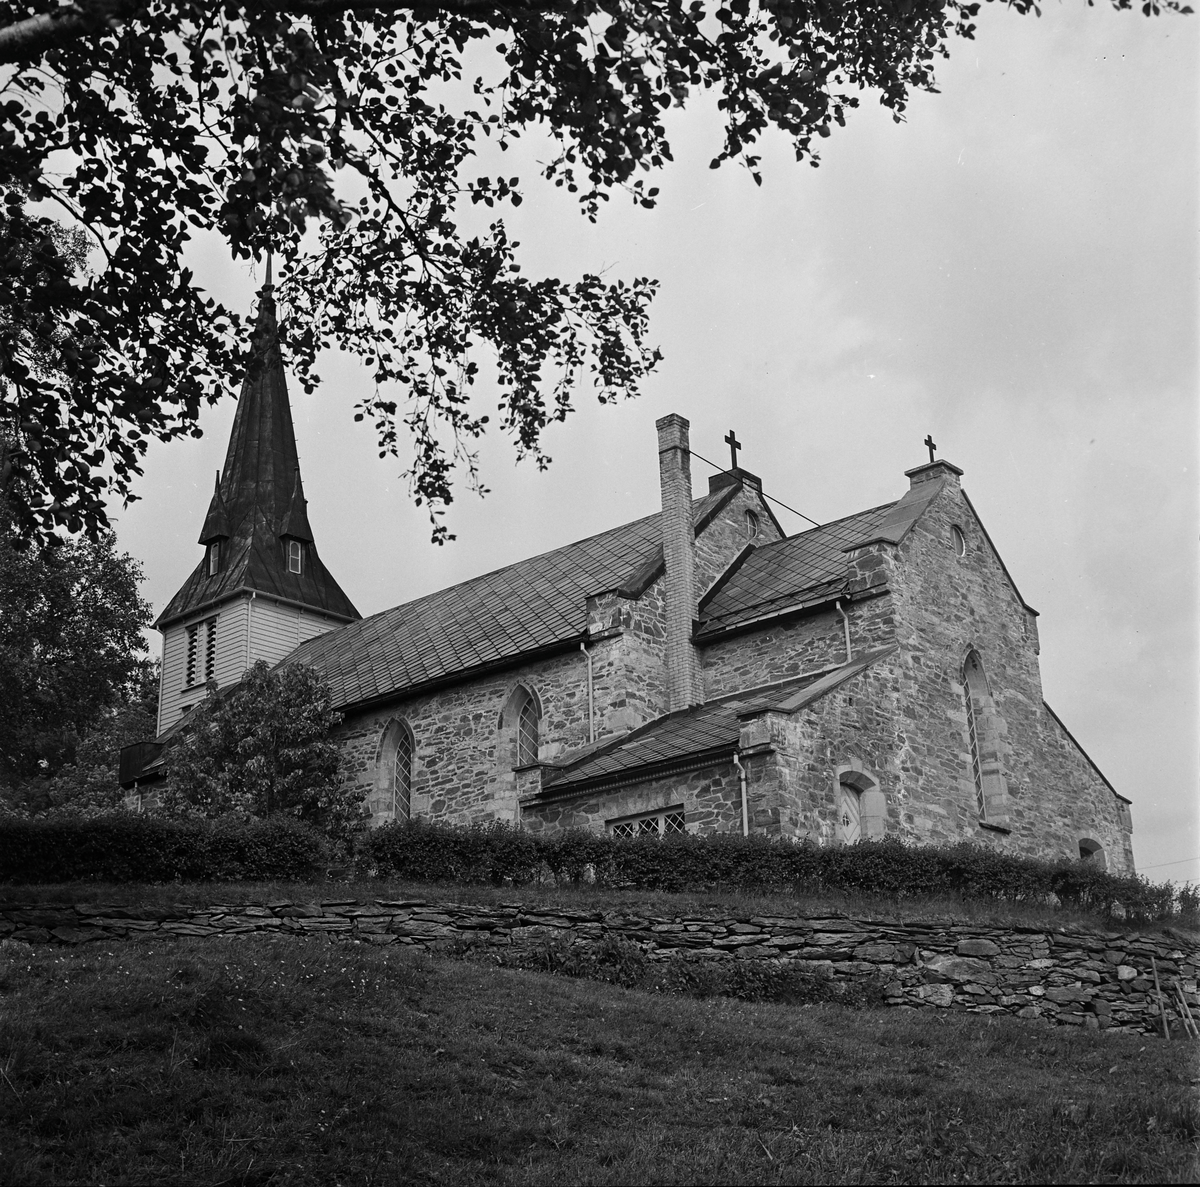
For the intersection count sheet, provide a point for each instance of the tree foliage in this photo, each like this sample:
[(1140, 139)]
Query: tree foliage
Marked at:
[(90, 783), (262, 747), (343, 134), (71, 649)]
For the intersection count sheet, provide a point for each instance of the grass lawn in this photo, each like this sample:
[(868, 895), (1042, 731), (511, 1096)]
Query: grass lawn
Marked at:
[(290, 1061)]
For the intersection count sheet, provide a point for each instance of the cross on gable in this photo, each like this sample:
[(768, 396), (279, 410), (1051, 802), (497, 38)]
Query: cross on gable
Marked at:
[(734, 445), (929, 444)]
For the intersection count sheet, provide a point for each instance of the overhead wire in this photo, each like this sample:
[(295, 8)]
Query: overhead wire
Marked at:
[(764, 494)]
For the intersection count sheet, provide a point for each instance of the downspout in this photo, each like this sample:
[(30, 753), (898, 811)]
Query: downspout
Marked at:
[(741, 770), (846, 627), (591, 696), (249, 624)]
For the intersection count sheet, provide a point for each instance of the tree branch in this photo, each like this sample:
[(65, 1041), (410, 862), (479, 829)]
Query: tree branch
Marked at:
[(29, 39)]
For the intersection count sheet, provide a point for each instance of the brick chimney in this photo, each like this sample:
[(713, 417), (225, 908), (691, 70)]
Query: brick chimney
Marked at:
[(684, 686)]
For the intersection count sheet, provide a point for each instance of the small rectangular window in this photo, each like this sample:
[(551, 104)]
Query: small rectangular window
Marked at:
[(664, 822), (295, 555), (214, 559)]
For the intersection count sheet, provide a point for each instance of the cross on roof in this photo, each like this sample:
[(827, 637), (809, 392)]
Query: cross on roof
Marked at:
[(734, 445), (930, 445)]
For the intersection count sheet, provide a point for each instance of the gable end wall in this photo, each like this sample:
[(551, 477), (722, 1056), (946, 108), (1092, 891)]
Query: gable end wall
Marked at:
[(946, 606)]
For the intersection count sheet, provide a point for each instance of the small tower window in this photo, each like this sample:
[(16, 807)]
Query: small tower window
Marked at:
[(295, 556), (212, 560), (751, 525), (958, 540)]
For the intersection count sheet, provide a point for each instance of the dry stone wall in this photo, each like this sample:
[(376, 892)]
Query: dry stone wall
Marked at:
[(1073, 976)]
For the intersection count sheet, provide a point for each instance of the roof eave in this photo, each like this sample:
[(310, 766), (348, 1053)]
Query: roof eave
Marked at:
[(558, 791), (792, 610)]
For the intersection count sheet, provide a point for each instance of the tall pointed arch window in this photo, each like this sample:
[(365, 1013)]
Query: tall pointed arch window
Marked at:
[(527, 732), (983, 742), (392, 796)]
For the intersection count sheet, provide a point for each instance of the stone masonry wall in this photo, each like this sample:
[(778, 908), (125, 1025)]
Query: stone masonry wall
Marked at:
[(946, 606), (781, 651), (1068, 976), (463, 757), (711, 799)]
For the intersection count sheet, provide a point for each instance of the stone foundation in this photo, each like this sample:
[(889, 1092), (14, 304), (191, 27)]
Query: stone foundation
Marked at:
[(1073, 976)]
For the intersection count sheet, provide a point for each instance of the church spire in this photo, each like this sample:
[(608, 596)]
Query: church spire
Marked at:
[(258, 517)]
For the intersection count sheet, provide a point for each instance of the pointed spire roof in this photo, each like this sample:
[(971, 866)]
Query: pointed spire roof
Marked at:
[(259, 500)]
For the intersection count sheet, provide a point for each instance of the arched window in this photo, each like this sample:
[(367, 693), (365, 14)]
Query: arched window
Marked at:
[(527, 733), (958, 540), (751, 525), (983, 742), (1092, 852), (391, 797), (861, 805)]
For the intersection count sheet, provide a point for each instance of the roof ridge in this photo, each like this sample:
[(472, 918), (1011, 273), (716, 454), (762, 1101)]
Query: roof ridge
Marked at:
[(537, 556), (832, 523)]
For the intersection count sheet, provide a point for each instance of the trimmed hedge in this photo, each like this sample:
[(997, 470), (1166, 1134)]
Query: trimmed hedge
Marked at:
[(499, 854), (137, 847)]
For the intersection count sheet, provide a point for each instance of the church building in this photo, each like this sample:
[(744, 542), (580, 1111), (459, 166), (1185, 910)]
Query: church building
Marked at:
[(697, 670)]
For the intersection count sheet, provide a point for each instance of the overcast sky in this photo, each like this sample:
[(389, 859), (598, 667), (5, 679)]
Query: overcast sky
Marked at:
[(1013, 269)]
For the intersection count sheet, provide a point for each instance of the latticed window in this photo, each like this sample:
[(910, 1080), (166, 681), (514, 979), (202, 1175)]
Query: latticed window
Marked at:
[(665, 822), (527, 733), (402, 779)]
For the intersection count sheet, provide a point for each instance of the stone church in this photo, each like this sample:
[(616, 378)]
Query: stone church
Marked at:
[(697, 670)]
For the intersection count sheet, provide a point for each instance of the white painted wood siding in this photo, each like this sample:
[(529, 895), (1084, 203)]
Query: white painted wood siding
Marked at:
[(247, 630), (229, 660), (278, 629)]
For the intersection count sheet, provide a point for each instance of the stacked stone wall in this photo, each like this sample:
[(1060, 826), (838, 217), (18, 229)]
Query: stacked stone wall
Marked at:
[(1068, 976)]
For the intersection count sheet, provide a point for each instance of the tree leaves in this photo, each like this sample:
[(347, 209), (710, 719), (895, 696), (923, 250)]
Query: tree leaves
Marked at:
[(144, 121), (71, 622), (261, 747)]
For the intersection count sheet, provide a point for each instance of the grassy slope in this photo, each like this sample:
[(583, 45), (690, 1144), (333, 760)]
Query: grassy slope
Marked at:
[(301, 1061)]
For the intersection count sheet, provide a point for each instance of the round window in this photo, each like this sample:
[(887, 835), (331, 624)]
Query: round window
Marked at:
[(959, 540)]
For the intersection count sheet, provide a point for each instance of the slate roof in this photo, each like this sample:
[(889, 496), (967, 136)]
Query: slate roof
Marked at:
[(260, 499), (806, 568), (535, 604), (691, 736)]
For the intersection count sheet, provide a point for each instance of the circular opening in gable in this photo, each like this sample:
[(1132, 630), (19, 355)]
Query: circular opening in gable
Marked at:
[(959, 541)]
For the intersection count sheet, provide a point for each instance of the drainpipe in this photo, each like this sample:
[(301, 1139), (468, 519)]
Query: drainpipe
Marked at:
[(591, 698), (249, 625), (846, 628), (741, 770)]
